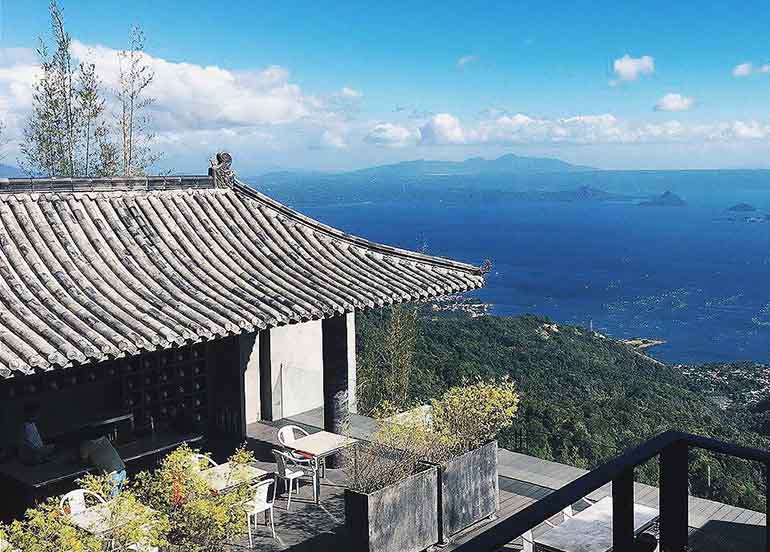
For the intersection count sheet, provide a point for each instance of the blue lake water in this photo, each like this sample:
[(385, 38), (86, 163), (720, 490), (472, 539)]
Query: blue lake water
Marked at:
[(677, 274)]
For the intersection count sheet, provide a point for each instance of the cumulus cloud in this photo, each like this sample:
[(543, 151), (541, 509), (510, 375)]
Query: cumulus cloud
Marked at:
[(188, 95), (192, 99), (589, 129), (675, 102), (747, 69), (743, 70), (466, 60), (443, 128), (333, 139), (391, 135), (629, 68), (347, 92)]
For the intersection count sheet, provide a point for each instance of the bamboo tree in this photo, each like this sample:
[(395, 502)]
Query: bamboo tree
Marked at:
[(136, 75), (50, 136), (65, 133), (92, 106)]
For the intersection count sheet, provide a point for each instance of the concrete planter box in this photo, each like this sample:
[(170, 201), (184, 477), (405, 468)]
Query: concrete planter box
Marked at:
[(469, 490), (402, 517)]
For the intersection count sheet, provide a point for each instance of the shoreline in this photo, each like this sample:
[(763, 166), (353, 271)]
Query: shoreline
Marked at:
[(641, 344)]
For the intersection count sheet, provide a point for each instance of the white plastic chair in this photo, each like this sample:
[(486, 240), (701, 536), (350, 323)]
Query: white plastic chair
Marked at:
[(290, 470), (76, 501), (290, 433), (199, 459), (262, 502)]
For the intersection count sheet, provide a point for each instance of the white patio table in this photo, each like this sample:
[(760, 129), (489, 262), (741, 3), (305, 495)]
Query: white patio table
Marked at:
[(98, 520), (223, 477), (591, 529), (321, 445)]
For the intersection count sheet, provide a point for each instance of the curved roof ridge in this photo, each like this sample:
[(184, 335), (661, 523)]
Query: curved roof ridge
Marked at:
[(240, 187), (104, 184)]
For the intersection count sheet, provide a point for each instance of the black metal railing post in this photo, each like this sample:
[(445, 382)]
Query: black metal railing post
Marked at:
[(623, 510), (673, 497), (671, 447), (767, 506)]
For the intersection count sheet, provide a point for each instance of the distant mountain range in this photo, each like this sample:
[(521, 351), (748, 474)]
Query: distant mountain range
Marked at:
[(506, 164), (472, 179)]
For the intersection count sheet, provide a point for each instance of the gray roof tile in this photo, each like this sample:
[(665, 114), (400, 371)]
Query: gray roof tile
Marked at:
[(92, 269)]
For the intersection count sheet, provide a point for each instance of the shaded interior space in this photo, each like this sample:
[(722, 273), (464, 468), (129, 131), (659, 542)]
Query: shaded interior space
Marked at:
[(145, 406)]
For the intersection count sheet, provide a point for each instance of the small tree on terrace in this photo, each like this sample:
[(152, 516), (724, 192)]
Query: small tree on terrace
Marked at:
[(386, 358)]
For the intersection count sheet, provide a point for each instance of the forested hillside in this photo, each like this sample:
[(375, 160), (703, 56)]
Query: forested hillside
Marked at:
[(585, 397)]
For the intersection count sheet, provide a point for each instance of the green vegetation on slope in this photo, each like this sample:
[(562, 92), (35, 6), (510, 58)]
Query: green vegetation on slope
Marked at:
[(585, 398)]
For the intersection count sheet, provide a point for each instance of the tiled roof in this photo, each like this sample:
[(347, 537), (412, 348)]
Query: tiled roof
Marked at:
[(93, 269)]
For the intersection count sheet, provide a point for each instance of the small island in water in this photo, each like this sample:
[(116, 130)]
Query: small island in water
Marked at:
[(742, 208), (666, 199)]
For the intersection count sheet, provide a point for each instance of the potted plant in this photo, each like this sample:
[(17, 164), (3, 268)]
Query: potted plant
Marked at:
[(392, 499), (388, 505), (470, 417)]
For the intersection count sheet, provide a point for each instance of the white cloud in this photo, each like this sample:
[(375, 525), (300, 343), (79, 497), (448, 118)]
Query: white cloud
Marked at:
[(465, 60), (749, 130), (188, 95), (391, 135), (443, 128), (195, 103), (675, 102), (743, 70), (628, 68), (347, 92), (765, 68), (333, 139), (603, 128)]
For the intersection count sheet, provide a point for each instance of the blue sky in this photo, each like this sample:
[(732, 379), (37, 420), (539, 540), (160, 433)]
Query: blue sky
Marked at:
[(337, 85)]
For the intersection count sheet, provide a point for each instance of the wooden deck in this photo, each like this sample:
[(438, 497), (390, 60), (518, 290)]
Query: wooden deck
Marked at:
[(523, 480)]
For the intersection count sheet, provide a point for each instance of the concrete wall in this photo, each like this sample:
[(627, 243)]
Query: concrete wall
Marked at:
[(295, 369), (249, 346), (352, 362)]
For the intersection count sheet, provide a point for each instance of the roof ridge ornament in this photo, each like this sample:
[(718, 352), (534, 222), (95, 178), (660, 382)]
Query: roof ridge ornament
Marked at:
[(224, 176)]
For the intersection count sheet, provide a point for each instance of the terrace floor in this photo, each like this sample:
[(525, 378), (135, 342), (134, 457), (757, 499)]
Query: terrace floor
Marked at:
[(523, 480)]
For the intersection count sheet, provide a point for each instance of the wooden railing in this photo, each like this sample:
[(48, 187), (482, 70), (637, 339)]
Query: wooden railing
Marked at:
[(671, 448)]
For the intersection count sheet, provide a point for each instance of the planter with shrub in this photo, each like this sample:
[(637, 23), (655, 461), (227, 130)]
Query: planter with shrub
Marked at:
[(388, 475), (402, 516)]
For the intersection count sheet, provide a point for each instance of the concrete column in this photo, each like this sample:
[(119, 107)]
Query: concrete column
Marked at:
[(351, 322), (249, 347), (335, 374)]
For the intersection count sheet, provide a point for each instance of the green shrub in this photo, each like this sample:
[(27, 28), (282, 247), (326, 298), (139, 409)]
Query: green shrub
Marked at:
[(475, 414), (45, 529), (200, 520), (461, 420)]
